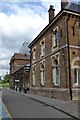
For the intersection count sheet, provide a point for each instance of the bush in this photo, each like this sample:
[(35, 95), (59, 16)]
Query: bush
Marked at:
[(0, 85), (0, 82), (5, 85)]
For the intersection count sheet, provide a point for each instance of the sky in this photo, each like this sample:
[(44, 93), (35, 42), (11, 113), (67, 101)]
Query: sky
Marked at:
[(21, 21)]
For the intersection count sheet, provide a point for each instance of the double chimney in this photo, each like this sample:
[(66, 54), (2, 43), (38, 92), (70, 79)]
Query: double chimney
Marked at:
[(52, 10)]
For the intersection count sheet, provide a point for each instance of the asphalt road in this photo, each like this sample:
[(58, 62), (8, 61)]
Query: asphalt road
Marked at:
[(20, 106)]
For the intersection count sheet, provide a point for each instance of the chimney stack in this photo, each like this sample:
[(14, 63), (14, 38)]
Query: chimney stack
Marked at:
[(51, 13), (64, 3)]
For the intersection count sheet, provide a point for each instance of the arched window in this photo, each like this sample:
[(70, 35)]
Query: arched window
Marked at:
[(42, 75), (34, 53), (42, 48), (55, 37), (34, 76), (76, 76), (56, 79)]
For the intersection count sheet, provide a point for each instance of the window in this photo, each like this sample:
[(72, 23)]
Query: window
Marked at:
[(34, 53), (42, 74), (55, 39), (56, 79), (76, 75), (73, 31), (34, 76), (42, 45)]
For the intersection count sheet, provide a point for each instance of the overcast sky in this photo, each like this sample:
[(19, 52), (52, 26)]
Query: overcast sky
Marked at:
[(21, 22)]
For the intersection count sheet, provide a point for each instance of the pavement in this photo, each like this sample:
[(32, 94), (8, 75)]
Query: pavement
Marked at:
[(69, 107)]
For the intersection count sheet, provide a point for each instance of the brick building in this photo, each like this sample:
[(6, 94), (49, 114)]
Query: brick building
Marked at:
[(18, 70), (55, 54)]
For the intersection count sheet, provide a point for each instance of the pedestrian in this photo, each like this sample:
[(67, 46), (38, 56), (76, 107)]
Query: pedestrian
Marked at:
[(28, 88)]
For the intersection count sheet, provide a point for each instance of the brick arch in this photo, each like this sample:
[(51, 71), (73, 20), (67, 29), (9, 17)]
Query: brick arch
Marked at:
[(75, 63)]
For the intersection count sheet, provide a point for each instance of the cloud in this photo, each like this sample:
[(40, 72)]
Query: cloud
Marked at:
[(20, 22)]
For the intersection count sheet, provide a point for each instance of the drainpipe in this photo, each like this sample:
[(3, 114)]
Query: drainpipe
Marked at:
[(30, 64), (69, 65)]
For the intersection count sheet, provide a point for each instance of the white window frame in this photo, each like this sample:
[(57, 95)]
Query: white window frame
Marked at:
[(55, 81), (34, 76), (53, 41), (55, 57), (42, 74), (34, 54), (53, 38), (76, 76), (42, 48), (56, 43)]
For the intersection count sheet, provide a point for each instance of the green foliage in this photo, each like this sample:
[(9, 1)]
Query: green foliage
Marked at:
[(0, 82), (5, 82), (6, 78), (5, 85), (0, 78), (0, 85)]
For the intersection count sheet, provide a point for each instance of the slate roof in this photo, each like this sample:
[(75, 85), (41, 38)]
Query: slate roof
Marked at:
[(73, 7)]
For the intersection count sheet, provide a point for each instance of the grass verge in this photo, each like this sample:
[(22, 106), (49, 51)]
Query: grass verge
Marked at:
[(6, 85)]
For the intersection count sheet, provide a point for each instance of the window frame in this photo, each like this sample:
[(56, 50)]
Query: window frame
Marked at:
[(34, 53), (55, 41), (77, 77), (55, 57), (34, 74), (56, 38), (42, 73), (42, 48)]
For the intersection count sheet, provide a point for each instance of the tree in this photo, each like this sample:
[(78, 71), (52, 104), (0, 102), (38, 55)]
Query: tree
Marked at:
[(0, 78), (6, 78)]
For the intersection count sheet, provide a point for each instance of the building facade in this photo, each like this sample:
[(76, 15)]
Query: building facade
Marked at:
[(55, 55), (19, 70)]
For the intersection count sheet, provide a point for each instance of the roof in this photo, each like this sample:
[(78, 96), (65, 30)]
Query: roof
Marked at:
[(20, 56), (24, 49), (71, 7)]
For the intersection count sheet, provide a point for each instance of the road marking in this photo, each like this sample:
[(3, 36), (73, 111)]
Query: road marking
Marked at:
[(4, 112), (0, 109), (4, 107)]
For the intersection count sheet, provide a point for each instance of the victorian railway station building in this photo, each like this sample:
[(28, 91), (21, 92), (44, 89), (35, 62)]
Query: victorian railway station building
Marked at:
[(20, 70), (55, 55)]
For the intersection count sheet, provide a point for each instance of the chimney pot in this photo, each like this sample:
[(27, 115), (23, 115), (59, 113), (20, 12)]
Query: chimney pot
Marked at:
[(51, 6)]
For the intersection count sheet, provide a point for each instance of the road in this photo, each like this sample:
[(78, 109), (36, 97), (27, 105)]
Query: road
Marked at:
[(20, 106)]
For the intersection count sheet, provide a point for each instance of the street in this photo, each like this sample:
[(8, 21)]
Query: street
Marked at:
[(20, 106)]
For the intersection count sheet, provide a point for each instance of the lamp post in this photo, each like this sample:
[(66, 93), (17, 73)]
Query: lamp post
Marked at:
[(69, 65)]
